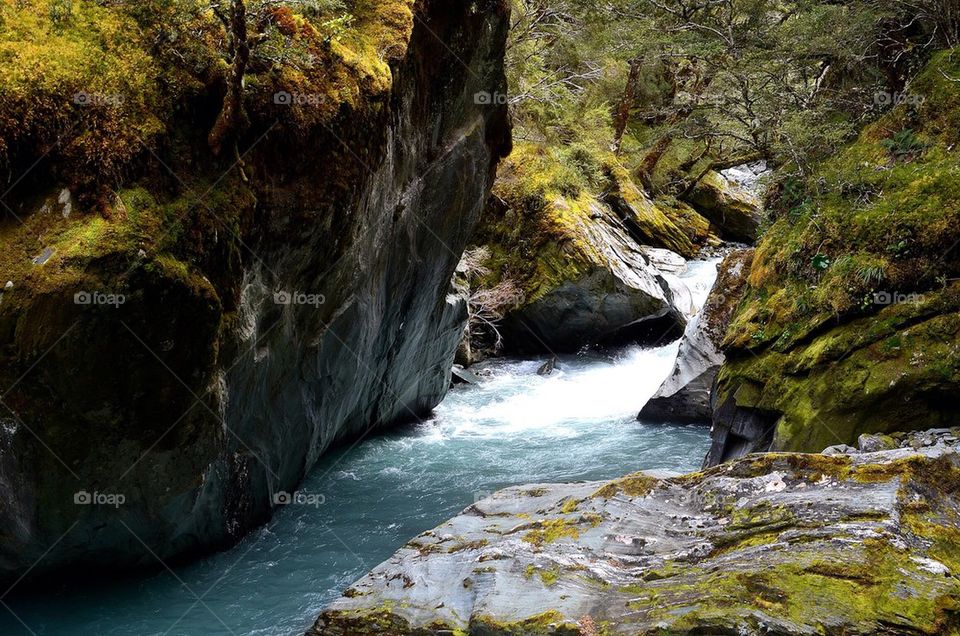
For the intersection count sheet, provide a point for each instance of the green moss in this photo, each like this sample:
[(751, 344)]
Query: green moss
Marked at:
[(864, 224), (537, 226), (890, 370), (550, 622), (634, 485), (551, 530)]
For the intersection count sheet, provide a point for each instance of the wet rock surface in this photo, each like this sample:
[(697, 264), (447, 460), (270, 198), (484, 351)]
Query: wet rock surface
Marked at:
[(735, 211), (783, 544), (685, 394)]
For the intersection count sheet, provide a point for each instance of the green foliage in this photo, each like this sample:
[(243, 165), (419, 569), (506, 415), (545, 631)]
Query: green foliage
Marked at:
[(903, 144), (78, 70), (865, 221)]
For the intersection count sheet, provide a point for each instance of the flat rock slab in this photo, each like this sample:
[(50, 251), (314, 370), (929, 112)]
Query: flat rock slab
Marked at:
[(770, 544)]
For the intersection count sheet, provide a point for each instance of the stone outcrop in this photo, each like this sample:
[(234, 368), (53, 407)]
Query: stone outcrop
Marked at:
[(579, 261), (590, 282), (783, 544), (685, 394), (850, 323), (734, 211), (265, 316)]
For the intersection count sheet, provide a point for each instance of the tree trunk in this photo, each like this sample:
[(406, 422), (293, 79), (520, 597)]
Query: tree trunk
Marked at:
[(650, 160), (231, 114), (629, 98)]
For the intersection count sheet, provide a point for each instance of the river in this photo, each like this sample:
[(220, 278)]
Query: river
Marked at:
[(363, 502)]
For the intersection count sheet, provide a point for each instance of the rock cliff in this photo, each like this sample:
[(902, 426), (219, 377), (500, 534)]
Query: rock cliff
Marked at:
[(194, 341)]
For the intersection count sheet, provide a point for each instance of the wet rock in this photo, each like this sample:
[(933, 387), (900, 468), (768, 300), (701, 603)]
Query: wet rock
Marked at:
[(774, 544), (314, 304), (685, 394), (735, 211), (664, 260), (548, 367), (464, 376)]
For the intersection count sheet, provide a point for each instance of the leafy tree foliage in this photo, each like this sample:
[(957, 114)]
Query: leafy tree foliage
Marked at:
[(701, 84)]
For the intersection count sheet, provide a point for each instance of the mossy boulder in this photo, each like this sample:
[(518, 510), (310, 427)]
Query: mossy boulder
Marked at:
[(784, 544), (736, 212), (577, 258), (849, 323)]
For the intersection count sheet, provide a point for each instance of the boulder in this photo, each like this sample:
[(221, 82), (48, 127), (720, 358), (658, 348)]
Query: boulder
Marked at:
[(736, 212), (585, 279), (783, 544), (685, 394)]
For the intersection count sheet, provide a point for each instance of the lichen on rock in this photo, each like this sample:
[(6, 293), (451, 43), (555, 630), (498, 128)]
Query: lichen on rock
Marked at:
[(780, 543)]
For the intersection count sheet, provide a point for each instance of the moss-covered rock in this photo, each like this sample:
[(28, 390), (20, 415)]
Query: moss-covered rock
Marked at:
[(780, 544), (577, 258), (849, 324), (735, 212)]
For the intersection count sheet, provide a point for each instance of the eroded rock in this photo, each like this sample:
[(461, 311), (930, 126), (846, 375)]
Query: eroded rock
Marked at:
[(685, 394), (774, 544)]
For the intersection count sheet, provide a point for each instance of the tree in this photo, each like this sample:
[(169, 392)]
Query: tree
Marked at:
[(250, 28)]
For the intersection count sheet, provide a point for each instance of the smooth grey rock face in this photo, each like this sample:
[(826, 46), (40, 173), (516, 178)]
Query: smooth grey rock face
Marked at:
[(685, 394), (291, 378), (771, 544)]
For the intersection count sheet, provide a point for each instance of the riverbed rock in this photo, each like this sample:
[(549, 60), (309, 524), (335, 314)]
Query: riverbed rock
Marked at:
[(685, 394), (584, 278), (736, 212), (783, 544), (267, 312)]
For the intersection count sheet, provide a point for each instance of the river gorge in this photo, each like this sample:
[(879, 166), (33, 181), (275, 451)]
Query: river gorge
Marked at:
[(578, 424), (479, 317)]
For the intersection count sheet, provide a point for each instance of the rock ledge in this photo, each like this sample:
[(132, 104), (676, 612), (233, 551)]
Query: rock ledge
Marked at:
[(773, 544)]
